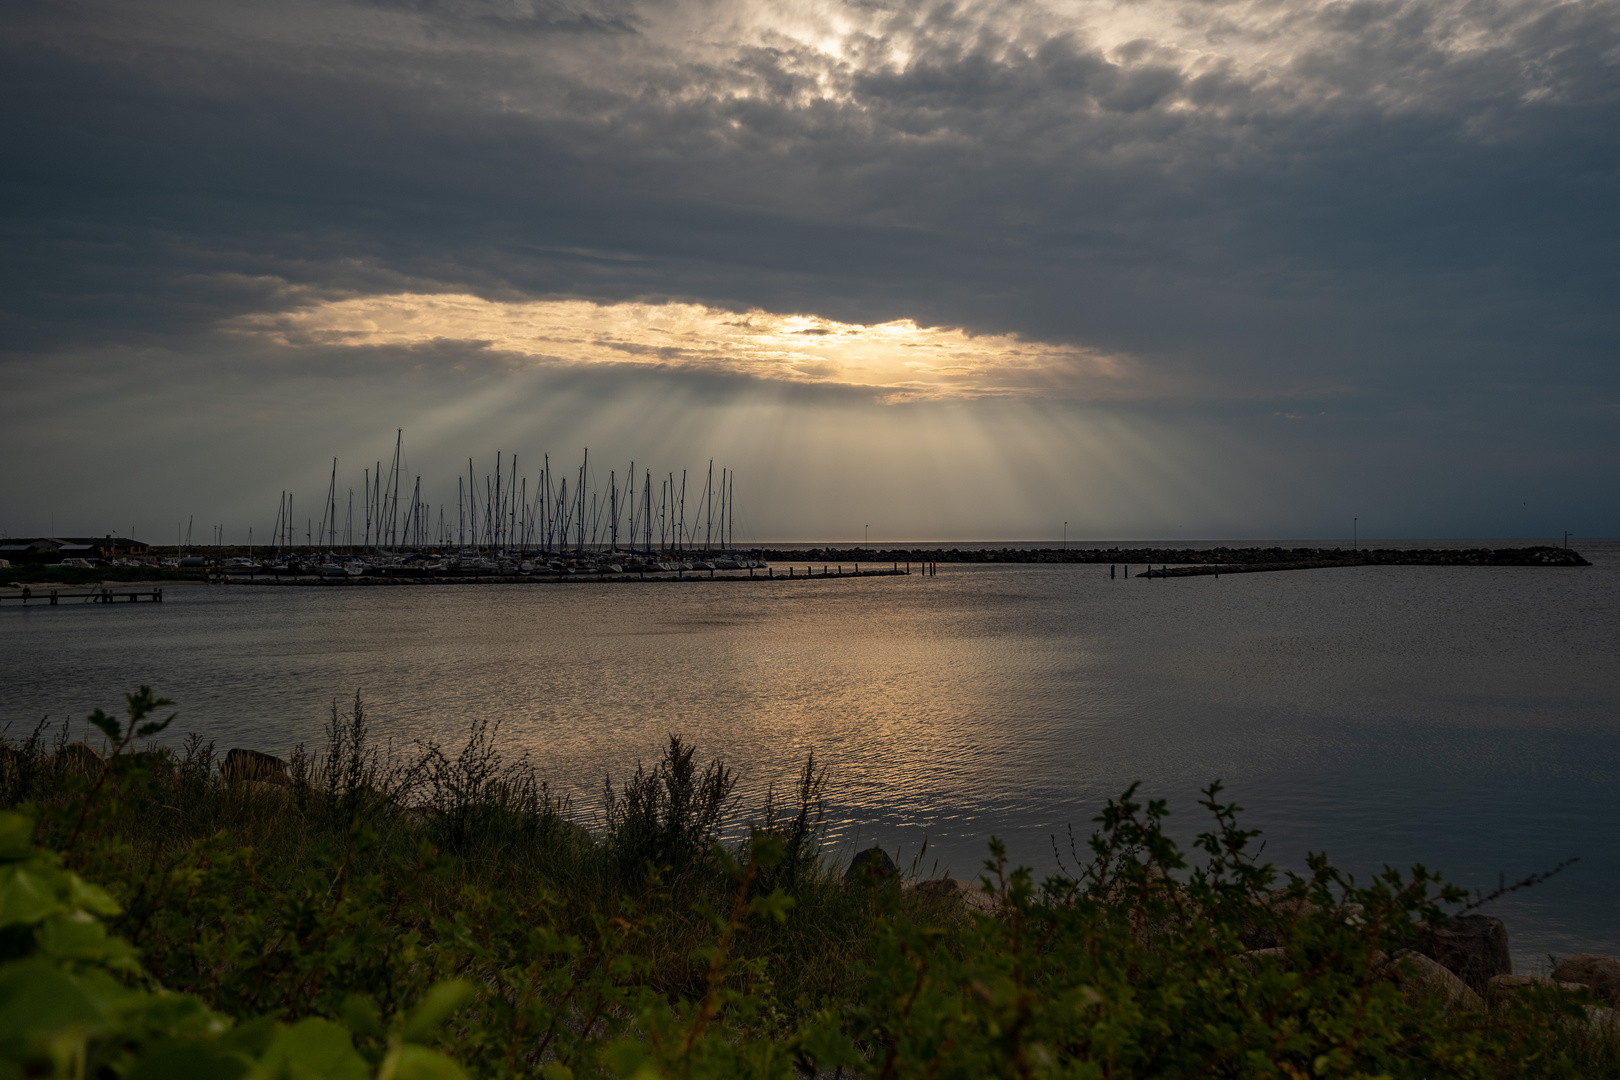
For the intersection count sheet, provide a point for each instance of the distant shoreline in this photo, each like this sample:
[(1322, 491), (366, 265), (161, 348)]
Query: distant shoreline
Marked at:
[(869, 562), (1190, 561)]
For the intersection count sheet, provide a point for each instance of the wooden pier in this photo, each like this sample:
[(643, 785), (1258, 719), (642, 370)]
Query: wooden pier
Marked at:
[(99, 595)]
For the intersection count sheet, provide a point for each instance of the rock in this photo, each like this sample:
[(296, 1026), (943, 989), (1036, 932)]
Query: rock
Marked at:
[(1601, 973), (1502, 987), (80, 758), (240, 764), (1252, 958), (157, 763), (1421, 976), (1273, 923), (1605, 1022), (873, 864), (954, 892), (941, 889), (1472, 947), (266, 789)]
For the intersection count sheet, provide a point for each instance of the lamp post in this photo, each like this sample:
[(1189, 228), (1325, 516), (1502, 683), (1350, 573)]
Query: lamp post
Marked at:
[(1065, 536), (1355, 531)]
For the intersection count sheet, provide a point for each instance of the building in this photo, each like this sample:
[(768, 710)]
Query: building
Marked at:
[(53, 549)]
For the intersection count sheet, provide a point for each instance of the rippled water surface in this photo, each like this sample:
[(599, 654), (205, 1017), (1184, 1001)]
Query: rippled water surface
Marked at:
[(1466, 718)]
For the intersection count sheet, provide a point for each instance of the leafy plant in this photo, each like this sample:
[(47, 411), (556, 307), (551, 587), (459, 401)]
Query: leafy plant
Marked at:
[(442, 916)]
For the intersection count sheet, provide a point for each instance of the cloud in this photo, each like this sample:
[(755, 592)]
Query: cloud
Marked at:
[(898, 361), (1407, 208)]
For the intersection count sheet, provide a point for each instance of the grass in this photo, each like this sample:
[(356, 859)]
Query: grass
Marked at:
[(503, 830), (364, 887)]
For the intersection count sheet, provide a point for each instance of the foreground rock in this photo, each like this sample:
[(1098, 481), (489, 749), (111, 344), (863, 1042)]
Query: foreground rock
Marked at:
[(1472, 947), (1501, 988), (80, 758), (957, 894), (240, 764), (1600, 973), (872, 865), (1421, 976)]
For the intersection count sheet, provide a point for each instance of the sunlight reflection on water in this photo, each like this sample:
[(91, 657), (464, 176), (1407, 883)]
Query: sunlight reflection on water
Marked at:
[(1463, 717)]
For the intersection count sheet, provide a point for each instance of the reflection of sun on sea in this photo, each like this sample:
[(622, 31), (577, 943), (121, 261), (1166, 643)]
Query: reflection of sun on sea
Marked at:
[(898, 358)]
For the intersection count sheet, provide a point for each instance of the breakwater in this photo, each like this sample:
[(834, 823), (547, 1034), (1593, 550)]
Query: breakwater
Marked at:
[(799, 571), (1193, 561)]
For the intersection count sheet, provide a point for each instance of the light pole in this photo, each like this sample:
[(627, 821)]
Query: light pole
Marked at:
[(1065, 536), (867, 534), (1355, 531)]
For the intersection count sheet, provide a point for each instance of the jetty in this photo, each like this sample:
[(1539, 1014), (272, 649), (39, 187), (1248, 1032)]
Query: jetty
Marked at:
[(797, 572), (51, 597), (1191, 562)]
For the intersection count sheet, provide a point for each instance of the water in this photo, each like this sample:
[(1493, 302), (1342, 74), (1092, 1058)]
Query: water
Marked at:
[(1464, 718)]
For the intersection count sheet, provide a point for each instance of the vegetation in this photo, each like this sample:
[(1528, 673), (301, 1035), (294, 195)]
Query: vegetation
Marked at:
[(441, 915)]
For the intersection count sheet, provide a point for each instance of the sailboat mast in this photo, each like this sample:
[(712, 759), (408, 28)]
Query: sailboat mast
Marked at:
[(393, 513)]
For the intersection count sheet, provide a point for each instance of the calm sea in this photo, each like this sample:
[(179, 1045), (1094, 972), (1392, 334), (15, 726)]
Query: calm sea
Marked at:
[(1468, 719)]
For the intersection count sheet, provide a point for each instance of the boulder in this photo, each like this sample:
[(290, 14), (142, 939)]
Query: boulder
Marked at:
[(265, 789), (157, 763), (1273, 921), (1600, 973), (1501, 988), (240, 764), (80, 758), (1421, 977), (957, 894), (1604, 1022), (1252, 958), (1472, 947), (872, 865)]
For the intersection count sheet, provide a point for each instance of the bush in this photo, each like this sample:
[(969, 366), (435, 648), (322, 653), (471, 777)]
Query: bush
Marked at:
[(442, 914)]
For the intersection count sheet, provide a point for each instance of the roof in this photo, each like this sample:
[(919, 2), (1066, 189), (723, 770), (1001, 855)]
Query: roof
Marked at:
[(21, 543)]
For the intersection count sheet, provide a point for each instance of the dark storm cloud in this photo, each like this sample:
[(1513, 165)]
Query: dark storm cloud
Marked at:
[(1349, 183), (1405, 208)]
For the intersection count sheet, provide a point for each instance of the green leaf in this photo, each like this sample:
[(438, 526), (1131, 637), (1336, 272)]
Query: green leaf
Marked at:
[(36, 1001), (92, 898), (313, 1049), (441, 1001), (183, 1015), (16, 836), (146, 731), (420, 1063), (360, 1012), (109, 727), (198, 1061), (77, 936), (29, 892), (627, 1058), (252, 1038)]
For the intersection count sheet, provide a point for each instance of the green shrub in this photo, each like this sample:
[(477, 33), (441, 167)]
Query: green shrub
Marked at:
[(442, 914)]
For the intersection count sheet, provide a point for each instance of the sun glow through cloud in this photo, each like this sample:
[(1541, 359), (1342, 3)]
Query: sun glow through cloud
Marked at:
[(896, 360)]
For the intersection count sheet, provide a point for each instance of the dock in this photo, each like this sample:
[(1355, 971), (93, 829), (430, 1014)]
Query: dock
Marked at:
[(99, 595)]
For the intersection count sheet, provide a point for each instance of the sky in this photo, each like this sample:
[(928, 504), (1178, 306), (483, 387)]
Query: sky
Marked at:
[(914, 269)]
